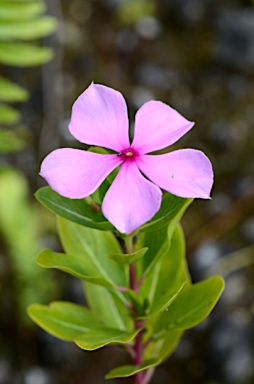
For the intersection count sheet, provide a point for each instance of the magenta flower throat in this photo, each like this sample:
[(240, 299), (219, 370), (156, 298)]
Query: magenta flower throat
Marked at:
[(100, 118)]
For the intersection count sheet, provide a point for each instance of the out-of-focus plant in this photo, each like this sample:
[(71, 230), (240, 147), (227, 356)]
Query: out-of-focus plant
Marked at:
[(20, 21), (18, 221), (131, 11)]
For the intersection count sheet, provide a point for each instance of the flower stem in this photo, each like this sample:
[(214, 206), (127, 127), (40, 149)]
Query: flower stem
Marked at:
[(138, 347)]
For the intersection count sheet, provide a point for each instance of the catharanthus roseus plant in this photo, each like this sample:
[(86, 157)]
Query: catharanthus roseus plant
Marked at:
[(120, 233)]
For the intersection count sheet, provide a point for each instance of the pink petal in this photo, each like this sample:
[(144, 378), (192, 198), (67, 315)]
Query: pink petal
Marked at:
[(185, 173), (131, 200), (76, 174), (158, 126), (99, 117)]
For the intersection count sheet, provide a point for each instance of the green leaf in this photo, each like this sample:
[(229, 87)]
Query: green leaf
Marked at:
[(8, 115), (74, 210), (161, 349), (22, 11), (92, 246), (10, 142), (97, 338), (23, 55), (162, 302), (79, 240), (63, 319), (136, 303), (128, 258), (12, 92), (157, 244), (170, 270), (75, 265), (191, 306), (28, 29), (172, 209), (107, 305), (130, 370)]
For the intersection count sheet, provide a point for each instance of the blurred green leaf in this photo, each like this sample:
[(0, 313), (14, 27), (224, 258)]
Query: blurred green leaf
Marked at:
[(79, 266), (23, 10), (130, 370), (28, 29), (191, 306), (12, 92), (18, 227), (133, 10), (63, 319), (128, 258), (10, 141), (74, 210), (97, 338), (23, 54), (8, 115)]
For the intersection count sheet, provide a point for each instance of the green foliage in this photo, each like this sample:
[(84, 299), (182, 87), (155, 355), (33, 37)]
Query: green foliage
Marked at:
[(67, 321), (99, 337), (163, 347), (165, 304), (78, 211), (23, 54), (96, 245), (191, 306), (161, 303), (19, 21), (18, 221), (107, 304), (92, 247), (8, 115), (75, 265), (157, 233), (128, 258), (12, 92), (26, 10), (21, 30), (133, 10), (130, 370), (171, 211), (10, 141)]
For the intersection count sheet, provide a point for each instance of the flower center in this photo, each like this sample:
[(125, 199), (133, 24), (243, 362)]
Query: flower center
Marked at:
[(128, 154)]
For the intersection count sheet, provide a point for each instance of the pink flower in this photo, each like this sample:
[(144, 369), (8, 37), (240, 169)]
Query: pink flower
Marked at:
[(99, 117)]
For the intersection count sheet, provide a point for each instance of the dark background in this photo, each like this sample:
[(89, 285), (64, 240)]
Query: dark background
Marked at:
[(197, 56)]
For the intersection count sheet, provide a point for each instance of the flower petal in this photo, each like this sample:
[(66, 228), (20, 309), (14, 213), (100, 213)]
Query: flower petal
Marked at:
[(100, 117), (131, 200), (185, 173), (158, 126), (76, 174)]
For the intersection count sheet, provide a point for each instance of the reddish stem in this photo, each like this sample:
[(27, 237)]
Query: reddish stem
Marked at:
[(138, 346)]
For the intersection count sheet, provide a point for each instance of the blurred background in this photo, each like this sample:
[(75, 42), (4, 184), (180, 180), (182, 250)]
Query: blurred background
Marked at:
[(197, 56)]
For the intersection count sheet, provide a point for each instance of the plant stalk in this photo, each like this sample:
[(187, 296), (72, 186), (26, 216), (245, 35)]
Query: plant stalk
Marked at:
[(138, 347)]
